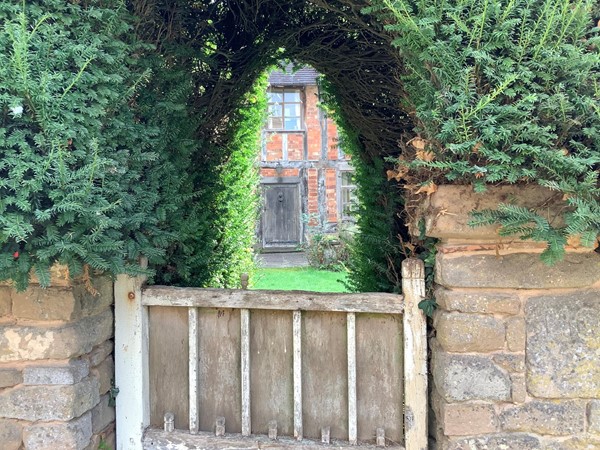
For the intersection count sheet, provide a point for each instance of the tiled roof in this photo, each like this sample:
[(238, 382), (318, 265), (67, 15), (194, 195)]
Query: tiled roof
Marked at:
[(302, 77)]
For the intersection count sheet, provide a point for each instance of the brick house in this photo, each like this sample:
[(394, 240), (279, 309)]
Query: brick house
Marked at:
[(306, 178)]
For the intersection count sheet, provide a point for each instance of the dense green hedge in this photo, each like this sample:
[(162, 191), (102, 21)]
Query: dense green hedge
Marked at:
[(74, 161), (102, 158), (216, 222), (504, 92), (124, 136)]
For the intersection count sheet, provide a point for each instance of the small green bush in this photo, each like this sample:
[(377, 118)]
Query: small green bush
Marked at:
[(327, 251)]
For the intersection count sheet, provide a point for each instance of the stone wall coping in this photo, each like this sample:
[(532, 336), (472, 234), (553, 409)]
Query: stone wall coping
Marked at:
[(59, 277), (447, 212)]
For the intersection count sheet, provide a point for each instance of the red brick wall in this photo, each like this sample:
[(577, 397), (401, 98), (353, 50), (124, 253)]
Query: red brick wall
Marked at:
[(312, 123)]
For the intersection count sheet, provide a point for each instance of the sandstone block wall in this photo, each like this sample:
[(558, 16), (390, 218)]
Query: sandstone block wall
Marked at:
[(56, 366), (516, 354)]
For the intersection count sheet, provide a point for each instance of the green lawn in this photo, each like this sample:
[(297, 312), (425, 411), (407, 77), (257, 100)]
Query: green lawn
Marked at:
[(299, 278)]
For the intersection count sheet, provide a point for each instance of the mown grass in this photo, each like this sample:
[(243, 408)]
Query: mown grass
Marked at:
[(299, 278)]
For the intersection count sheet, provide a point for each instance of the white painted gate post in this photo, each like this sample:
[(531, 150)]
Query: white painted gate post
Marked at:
[(131, 363), (415, 355)]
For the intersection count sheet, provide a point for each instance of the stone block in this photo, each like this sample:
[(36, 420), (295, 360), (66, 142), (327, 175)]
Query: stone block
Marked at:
[(519, 388), (515, 334), (73, 435), (10, 377), (457, 332), (516, 441), (104, 372), (594, 417), (461, 378), (93, 303), (36, 303), (447, 212), (63, 303), (102, 415), (575, 443), (58, 402), (11, 434), (563, 342), (517, 271), (25, 343), (464, 419), (100, 352), (484, 302), (70, 373), (5, 301), (511, 362), (558, 418)]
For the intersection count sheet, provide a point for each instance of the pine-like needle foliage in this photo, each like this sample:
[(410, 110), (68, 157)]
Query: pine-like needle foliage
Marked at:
[(506, 91), (73, 158)]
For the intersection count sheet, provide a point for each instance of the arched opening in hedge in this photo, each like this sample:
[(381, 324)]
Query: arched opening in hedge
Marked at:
[(226, 46)]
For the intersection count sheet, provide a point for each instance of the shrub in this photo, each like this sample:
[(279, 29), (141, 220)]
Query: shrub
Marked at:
[(74, 160), (504, 92), (327, 251)]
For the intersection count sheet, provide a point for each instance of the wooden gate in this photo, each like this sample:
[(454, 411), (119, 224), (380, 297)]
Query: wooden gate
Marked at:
[(209, 368)]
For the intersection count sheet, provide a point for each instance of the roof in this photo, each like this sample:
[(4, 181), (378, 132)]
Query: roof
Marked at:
[(301, 77)]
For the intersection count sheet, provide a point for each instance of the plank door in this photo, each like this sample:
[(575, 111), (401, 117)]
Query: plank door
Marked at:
[(281, 224)]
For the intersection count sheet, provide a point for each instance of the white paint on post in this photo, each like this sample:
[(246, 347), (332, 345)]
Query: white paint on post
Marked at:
[(415, 355), (131, 362), (193, 369), (352, 415), (245, 356), (297, 343)]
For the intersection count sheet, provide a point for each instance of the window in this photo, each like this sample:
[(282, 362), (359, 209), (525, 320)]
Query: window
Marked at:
[(285, 109), (348, 199)]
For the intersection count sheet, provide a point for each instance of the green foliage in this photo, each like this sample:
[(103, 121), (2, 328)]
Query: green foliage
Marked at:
[(328, 251), (505, 92), (375, 251), (216, 220), (73, 157)]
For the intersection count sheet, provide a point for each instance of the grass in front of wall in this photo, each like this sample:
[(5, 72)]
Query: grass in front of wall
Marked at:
[(299, 278)]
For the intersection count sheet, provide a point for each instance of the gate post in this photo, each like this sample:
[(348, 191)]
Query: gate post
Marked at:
[(131, 362), (415, 355)]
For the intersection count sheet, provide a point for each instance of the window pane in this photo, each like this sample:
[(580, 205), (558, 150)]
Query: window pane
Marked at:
[(346, 197), (275, 110), (347, 178), (292, 123), (275, 96), (292, 110), (292, 96), (275, 123)]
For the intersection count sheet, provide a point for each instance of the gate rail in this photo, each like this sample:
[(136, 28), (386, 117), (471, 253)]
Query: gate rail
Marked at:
[(132, 365)]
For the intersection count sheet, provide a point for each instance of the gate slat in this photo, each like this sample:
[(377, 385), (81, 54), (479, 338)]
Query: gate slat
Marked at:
[(278, 300), (193, 368), (297, 332), (352, 414), (245, 367)]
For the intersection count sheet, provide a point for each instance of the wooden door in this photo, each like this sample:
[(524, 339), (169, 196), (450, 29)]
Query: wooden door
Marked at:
[(281, 225)]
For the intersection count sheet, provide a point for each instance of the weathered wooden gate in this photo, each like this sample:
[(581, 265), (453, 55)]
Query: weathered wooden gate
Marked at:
[(270, 369)]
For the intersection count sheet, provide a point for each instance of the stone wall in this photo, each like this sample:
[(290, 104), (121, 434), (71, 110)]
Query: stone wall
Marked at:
[(56, 366), (516, 355)]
